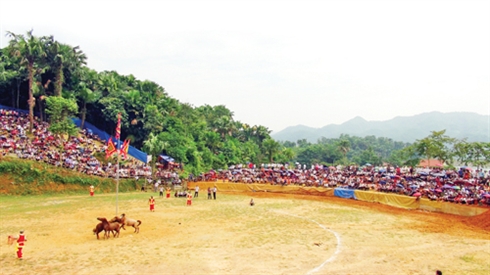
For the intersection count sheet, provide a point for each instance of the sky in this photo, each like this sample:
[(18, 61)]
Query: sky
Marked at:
[(283, 63)]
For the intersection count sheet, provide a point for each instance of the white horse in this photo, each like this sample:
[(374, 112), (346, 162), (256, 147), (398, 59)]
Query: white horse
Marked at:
[(123, 220)]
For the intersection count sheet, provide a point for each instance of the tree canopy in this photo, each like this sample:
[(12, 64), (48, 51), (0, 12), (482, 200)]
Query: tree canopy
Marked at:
[(34, 70)]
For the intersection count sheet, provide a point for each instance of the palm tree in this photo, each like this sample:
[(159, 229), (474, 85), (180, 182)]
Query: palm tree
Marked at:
[(288, 153), (262, 133), (154, 146), (30, 50), (344, 147), (224, 126), (271, 148), (62, 56), (10, 70)]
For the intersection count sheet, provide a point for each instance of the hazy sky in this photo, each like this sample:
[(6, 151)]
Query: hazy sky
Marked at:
[(283, 63)]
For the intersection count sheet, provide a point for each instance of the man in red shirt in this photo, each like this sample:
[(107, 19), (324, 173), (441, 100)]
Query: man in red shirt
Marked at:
[(20, 244), (151, 202)]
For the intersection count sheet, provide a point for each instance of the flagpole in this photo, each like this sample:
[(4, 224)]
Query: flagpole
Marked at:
[(118, 136), (117, 177)]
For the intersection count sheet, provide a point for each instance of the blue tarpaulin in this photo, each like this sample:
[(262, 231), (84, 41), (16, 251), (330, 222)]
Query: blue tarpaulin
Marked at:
[(344, 193)]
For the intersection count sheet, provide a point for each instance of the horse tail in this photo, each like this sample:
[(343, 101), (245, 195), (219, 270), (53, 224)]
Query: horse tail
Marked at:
[(139, 222)]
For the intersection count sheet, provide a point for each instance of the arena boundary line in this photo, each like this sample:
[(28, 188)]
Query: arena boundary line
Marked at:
[(337, 236)]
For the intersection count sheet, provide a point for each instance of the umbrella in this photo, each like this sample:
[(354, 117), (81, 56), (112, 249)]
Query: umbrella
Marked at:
[(400, 185), (417, 194), (438, 190), (456, 187), (486, 196)]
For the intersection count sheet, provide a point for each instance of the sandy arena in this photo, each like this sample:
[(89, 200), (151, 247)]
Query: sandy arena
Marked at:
[(281, 234)]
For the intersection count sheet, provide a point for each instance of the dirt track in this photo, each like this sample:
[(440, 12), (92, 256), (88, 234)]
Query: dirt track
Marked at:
[(282, 234)]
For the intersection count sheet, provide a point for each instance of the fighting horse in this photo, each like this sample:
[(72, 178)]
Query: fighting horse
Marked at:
[(108, 227), (99, 228), (123, 220)]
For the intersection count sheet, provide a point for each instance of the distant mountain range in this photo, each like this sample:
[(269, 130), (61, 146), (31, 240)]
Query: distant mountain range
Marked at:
[(472, 126)]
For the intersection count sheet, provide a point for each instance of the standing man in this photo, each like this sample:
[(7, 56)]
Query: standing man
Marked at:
[(161, 191), (196, 191), (151, 202), (157, 183), (20, 244), (209, 193), (92, 188), (214, 191), (168, 192)]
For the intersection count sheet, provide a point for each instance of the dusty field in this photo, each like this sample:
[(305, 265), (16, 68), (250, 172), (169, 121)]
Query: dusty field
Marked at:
[(227, 236)]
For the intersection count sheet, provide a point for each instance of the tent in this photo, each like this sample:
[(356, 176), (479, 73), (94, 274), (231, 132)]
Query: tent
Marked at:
[(165, 158), (431, 163)]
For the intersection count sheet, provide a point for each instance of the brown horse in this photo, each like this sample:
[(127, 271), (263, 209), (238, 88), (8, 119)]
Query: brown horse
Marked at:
[(123, 220), (109, 227), (99, 228)]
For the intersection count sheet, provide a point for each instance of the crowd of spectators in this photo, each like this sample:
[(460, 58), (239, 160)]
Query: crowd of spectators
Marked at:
[(464, 185), (76, 153)]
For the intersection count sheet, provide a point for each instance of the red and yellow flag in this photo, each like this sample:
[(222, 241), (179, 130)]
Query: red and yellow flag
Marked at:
[(125, 148), (111, 148)]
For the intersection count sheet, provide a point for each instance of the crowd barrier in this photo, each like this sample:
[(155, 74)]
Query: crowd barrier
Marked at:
[(390, 199)]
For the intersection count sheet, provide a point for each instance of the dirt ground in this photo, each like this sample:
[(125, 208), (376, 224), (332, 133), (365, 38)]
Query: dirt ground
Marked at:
[(281, 234)]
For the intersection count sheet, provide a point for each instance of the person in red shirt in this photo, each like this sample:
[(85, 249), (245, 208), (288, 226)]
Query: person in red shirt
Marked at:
[(20, 244), (151, 202), (189, 199), (92, 190)]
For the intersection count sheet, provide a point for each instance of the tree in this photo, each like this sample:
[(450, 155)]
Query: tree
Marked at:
[(461, 150), (479, 153), (87, 91), (344, 147), (30, 50), (271, 147), (224, 126), (154, 147), (10, 71), (62, 56), (436, 145), (60, 111)]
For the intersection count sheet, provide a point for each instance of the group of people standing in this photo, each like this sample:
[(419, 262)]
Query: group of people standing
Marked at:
[(151, 201)]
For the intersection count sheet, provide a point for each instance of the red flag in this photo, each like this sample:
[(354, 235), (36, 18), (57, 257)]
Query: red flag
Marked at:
[(118, 128), (111, 149), (125, 148)]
